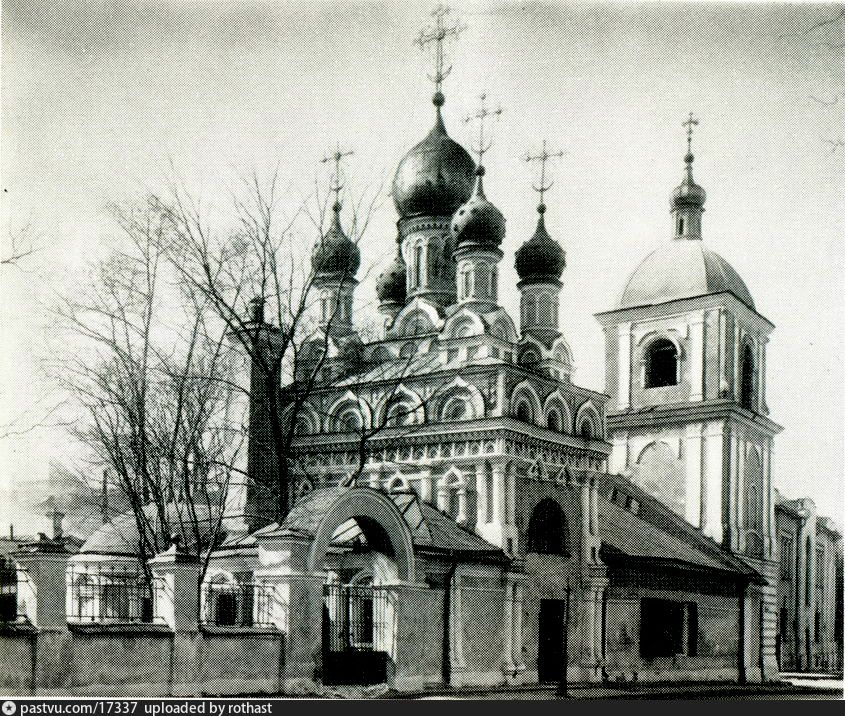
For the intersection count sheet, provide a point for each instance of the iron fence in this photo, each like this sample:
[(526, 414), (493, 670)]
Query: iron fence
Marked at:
[(111, 594), (238, 604), (355, 617), (11, 577)]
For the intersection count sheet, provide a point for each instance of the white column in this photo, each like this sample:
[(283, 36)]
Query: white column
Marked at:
[(624, 366), (585, 523), (517, 625), (425, 485), (767, 497), (481, 495), (714, 481), (740, 494), (761, 374), (619, 453), (507, 651), (694, 474), (697, 356), (457, 622)]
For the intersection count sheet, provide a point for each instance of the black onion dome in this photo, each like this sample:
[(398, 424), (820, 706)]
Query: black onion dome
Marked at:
[(541, 257), (688, 193), (336, 253), (478, 222), (391, 285), (435, 177)]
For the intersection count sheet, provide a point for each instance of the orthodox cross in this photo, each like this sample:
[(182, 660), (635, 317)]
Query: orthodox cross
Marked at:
[(337, 157), (543, 157), (482, 114), (440, 32), (689, 124)]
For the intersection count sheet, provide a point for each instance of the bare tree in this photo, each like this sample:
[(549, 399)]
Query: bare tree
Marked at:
[(257, 277), (151, 371), (22, 244)]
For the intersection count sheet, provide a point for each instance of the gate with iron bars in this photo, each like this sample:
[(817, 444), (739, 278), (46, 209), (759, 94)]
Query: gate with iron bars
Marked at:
[(355, 634)]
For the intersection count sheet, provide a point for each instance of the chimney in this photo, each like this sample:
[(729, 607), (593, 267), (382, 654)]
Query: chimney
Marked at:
[(257, 310), (11, 532), (104, 502), (57, 518)]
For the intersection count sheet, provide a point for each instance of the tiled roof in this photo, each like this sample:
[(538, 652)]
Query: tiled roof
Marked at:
[(430, 529), (656, 532)]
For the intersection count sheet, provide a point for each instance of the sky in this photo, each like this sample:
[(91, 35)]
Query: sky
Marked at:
[(101, 100)]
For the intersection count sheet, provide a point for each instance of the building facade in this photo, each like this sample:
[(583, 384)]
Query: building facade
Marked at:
[(462, 513)]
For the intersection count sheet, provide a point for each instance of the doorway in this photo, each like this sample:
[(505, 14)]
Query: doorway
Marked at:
[(550, 639)]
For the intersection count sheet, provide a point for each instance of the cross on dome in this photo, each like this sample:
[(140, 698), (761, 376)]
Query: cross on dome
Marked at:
[(543, 157), (337, 157), (689, 124), (438, 34), (482, 114)]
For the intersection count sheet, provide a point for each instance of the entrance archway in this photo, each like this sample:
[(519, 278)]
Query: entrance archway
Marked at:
[(364, 546)]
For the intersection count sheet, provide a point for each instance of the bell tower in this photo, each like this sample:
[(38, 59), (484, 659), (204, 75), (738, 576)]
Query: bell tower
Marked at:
[(686, 372)]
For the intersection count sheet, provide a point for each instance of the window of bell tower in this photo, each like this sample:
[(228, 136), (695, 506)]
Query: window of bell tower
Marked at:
[(746, 399), (661, 364)]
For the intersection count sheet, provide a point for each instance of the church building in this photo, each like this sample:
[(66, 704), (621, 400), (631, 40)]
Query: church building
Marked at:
[(464, 514)]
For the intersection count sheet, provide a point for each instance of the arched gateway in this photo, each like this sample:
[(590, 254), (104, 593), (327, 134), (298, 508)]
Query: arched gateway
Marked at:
[(366, 575)]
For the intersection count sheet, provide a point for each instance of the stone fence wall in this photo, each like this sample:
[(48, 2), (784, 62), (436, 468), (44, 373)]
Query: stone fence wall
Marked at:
[(44, 654)]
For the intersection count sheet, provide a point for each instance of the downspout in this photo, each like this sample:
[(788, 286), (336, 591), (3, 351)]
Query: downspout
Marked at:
[(447, 621)]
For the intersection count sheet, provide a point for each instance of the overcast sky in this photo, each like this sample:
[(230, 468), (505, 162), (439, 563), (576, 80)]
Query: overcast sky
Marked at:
[(99, 98)]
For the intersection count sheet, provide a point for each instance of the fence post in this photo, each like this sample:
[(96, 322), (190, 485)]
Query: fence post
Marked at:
[(43, 593), (176, 601), (43, 598)]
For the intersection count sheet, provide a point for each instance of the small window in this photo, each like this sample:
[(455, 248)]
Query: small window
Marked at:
[(787, 558), (747, 382), (226, 609), (661, 364), (681, 226), (587, 431), (668, 628)]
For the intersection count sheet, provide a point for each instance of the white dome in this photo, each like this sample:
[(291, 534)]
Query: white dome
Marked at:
[(682, 269)]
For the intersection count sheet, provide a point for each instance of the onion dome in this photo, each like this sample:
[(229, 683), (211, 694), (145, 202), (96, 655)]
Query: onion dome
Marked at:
[(478, 222), (391, 285), (435, 177), (688, 193), (541, 258), (336, 253)]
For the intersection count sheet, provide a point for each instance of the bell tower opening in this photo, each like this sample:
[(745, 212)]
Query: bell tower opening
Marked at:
[(661, 364)]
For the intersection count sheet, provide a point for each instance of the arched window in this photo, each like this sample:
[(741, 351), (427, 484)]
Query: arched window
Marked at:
[(494, 283), (530, 310), (545, 318), (456, 409), (553, 421), (753, 492), (418, 265), (348, 420), (400, 413), (661, 364), (746, 399), (529, 357), (587, 430), (547, 529), (808, 571), (523, 412), (466, 282)]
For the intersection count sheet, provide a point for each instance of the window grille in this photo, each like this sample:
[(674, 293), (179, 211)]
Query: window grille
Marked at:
[(111, 594), (238, 604)]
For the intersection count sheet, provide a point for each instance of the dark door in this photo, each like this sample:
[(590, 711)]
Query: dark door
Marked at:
[(550, 637)]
